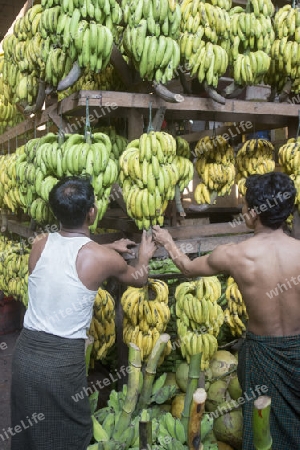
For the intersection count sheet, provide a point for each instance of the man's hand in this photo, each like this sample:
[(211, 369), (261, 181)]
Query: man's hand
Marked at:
[(147, 247), (161, 236), (121, 246)]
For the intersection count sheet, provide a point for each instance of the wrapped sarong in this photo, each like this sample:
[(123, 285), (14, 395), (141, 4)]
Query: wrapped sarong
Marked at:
[(47, 373), (273, 362)]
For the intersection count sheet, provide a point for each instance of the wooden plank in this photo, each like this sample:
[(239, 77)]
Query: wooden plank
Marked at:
[(265, 112), (212, 229)]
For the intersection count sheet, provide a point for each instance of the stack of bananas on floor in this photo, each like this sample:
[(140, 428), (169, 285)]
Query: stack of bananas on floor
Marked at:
[(235, 314), (199, 317), (145, 318), (204, 40), (52, 157), (289, 159), (148, 175), (23, 65), (103, 324), (106, 80), (215, 168), (168, 433), (251, 36), (14, 269), (255, 156), (150, 37), (285, 51), (10, 195)]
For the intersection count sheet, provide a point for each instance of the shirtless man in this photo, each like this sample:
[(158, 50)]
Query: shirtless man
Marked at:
[(66, 269), (266, 268)]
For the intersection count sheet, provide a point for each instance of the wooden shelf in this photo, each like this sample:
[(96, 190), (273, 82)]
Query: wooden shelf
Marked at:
[(118, 104)]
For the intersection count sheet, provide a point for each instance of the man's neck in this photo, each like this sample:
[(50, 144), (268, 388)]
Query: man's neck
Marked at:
[(81, 231)]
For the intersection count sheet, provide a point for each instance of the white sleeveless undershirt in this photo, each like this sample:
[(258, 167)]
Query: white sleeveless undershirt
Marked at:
[(59, 303)]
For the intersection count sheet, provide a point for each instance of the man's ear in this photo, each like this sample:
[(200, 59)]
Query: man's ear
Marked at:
[(91, 214)]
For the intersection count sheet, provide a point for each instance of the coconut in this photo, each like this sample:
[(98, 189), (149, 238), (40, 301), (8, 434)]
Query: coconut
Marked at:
[(223, 446), (234, 387), (228, 428), (182, 374), (216, 394), (222, 363), (177, 405)]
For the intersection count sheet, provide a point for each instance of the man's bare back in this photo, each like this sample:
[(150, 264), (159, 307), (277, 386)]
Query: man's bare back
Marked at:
[(267, 271)]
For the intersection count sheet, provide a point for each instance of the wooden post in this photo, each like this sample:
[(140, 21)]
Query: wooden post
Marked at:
[(135, 124)]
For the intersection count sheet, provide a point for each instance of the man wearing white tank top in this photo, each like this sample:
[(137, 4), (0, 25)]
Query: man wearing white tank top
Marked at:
[(66, 269)]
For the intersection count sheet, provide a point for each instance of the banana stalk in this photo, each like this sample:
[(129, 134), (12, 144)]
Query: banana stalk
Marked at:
[(150, 370), (196, 413), (193, 377), (135, 365), (262, 438)]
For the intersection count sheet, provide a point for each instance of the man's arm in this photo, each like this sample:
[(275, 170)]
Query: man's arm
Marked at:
[(216, 262)]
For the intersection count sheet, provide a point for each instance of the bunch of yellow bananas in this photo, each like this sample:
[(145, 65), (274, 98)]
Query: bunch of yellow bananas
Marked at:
[(215, 167), (235, 314), (199, 317), (204, 40), (10, 196), (255, 156), (285, 51), (146, 315), (14, 269), (149, 171), (289, 159), (150, 37), (251, 36), (102, 326)]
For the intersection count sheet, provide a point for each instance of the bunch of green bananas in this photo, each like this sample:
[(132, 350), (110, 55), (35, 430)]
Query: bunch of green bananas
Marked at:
[(255, 156), (14, 269), (150, 37), (145, 318), (285, 51), (215, 167), (235, 314), (199, 317), (102, 326), (149, 171), (50, 158), (118, 142), (251, 36), (204, 40), (23, 66)]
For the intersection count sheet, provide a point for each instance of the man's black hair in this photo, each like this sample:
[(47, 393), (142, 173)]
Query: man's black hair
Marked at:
[(272, 195), (71, 199)]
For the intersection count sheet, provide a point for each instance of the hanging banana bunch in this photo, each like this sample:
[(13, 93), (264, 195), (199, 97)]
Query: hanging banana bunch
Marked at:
[(215, 167), (285, 51), (251, 36), (199, 317), (150, 37), (235, 314), (148, 176), (146, 315), (102, 326), (255, 156), (289, 159)]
